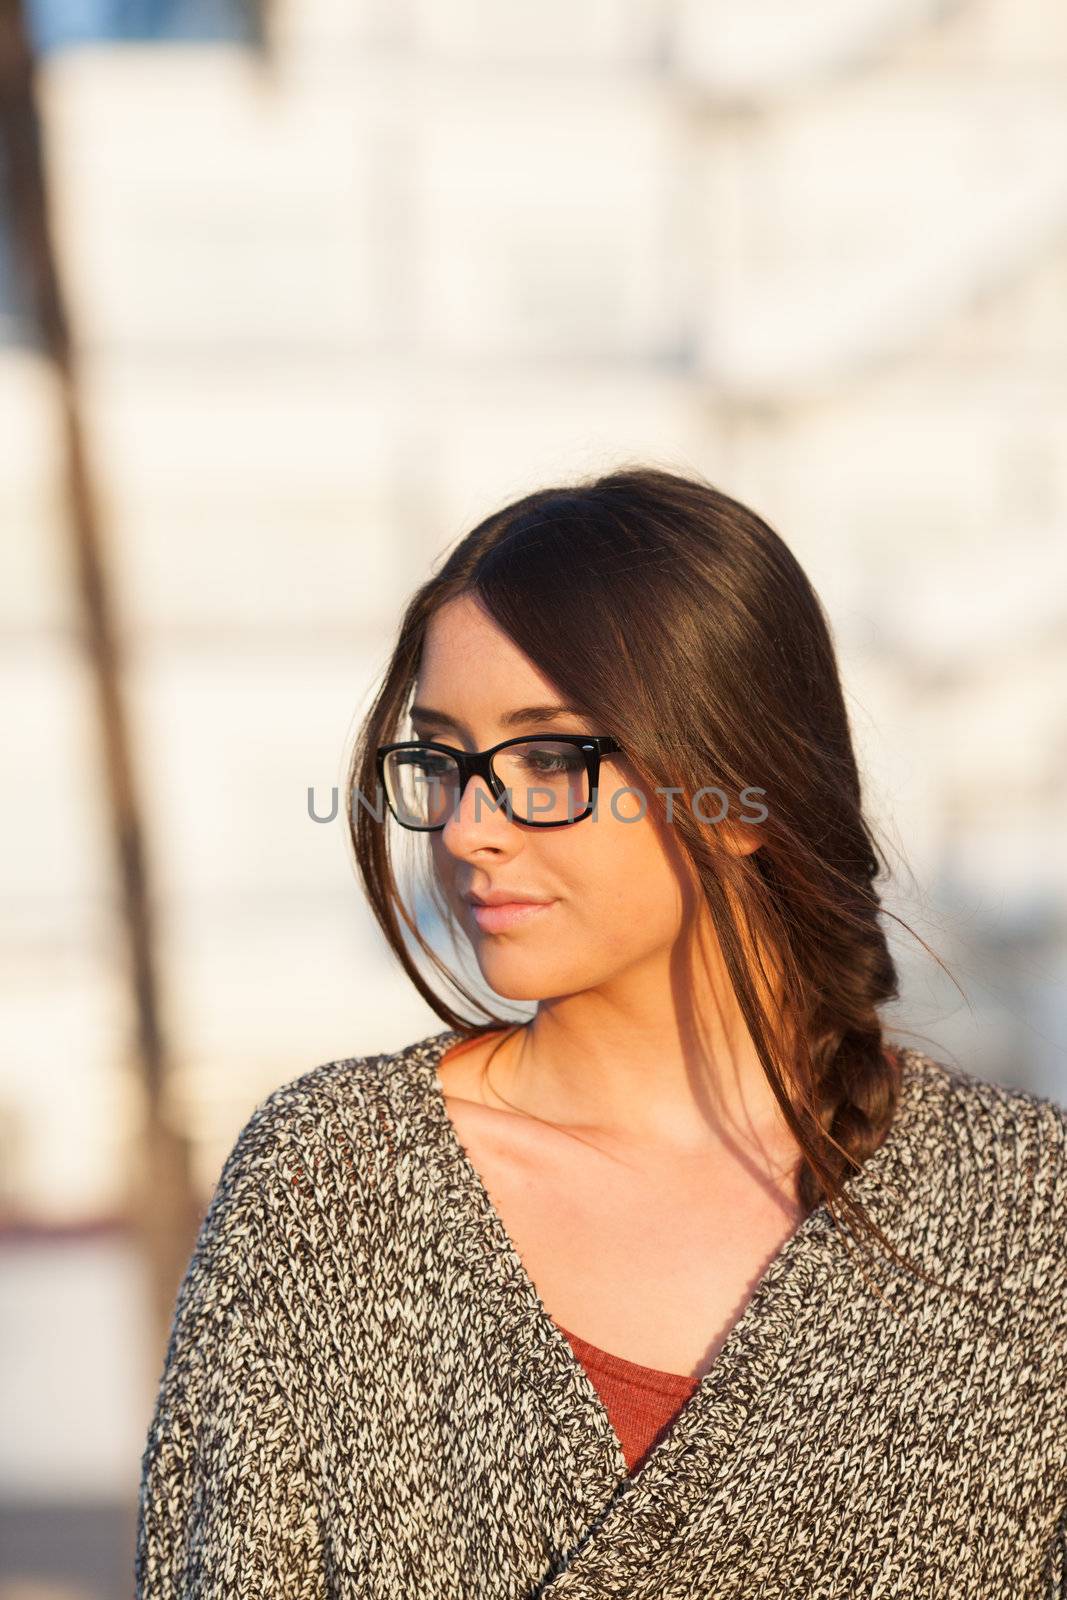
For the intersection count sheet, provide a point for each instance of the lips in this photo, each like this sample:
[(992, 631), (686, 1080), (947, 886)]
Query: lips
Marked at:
[(510, 914), (503, 897)]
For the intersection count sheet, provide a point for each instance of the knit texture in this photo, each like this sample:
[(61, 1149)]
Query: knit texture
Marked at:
[(364, 1396)]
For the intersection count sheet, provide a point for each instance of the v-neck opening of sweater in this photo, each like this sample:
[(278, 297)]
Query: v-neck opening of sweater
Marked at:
[(674, 1386), (724, 1396)]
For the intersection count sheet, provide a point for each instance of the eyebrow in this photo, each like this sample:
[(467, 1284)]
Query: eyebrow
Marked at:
[(521, 717)]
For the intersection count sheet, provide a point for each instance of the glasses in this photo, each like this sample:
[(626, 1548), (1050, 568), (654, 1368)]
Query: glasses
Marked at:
[(559, 773)]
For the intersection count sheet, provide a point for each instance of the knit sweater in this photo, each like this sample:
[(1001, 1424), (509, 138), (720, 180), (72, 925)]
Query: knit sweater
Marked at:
[(364, 1396)]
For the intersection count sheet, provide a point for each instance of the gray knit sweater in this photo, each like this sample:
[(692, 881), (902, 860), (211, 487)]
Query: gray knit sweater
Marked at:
[(364, 1396)]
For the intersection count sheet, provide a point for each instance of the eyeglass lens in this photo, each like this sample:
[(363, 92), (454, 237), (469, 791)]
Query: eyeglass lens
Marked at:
[(546, 781)]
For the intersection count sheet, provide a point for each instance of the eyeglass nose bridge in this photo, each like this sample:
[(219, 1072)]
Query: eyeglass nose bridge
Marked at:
[(477, 764)]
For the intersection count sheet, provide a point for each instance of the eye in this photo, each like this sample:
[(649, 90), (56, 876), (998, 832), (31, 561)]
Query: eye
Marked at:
[(549, 761), (426, 760)]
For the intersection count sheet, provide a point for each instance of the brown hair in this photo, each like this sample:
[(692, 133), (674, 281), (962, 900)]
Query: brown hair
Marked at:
[(684, 626)]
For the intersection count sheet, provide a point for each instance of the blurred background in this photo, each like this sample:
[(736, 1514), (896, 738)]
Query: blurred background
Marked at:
[(292, 295)]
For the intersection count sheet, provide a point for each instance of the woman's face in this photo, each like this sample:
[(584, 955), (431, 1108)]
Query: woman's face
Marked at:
[(618, 888)]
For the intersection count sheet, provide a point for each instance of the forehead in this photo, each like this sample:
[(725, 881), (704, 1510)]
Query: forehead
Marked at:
[(466, 656), (474, 682)]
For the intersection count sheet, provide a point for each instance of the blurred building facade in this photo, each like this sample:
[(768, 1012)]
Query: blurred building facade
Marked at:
[(335, 302)]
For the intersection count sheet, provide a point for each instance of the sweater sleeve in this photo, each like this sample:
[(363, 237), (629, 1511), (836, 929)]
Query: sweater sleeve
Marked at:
[(227, 1504)]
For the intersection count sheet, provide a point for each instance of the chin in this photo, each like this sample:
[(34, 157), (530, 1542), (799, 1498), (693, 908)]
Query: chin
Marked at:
[(519, 975), (509, 982)]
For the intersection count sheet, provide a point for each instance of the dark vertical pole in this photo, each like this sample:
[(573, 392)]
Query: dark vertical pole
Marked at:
[(165, 1213)]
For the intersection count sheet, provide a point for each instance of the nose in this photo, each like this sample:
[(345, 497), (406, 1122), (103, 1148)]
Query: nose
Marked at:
[(477, 819)]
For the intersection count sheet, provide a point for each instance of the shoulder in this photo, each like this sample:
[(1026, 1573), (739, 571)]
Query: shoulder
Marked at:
[(324, 1154), (354, 1113), (998, 1123), (994, 1158), (316, 1160)]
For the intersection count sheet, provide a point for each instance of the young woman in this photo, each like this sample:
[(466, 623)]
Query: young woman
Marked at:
[(687, 1282)]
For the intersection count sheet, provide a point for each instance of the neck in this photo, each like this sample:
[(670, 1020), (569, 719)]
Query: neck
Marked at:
[(627, 1064)]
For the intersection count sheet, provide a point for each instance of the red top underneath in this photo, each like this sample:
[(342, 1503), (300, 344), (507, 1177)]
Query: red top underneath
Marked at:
[(641, 1402)]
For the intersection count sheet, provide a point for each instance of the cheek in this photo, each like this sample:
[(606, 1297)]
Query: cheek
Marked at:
[(443, 866), (623, 882)]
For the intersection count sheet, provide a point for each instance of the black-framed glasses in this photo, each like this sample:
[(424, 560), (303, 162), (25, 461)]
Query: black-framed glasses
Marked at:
[(544, 780)]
